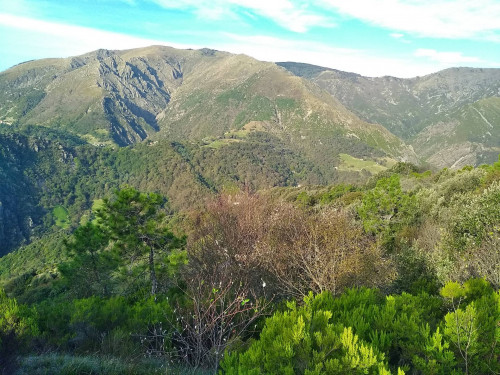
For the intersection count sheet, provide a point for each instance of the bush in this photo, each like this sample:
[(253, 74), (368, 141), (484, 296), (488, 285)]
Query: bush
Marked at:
[(117, 326), (385, 210), (17, 324), (303, 340)]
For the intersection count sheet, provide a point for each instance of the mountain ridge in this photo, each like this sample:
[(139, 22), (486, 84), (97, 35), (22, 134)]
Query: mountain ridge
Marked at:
[(124, 97), (413, 107)]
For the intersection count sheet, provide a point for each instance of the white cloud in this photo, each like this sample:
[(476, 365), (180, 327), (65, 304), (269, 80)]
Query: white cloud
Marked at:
[(452, 19), (351, 60), (400, 37), (451, 58), (428, 18), (61, 40), (40, 39), (285, 13), (291, 15), (18, 7)]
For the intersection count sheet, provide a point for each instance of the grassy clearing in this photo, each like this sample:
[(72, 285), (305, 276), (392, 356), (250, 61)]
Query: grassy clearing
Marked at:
[(251, 127), (350, 163), (221, 142), (98, 141), (61, 216)]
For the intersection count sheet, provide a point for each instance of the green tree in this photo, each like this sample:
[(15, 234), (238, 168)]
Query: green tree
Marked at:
[(136, 223), (90, 261), (386, 209), (472, 325), (304, 340)]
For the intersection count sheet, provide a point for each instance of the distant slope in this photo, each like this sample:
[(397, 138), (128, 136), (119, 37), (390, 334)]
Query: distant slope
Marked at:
[(418, 108), (238, 91), (469, 135)]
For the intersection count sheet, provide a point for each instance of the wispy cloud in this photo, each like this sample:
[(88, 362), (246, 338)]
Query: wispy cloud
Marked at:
[(61, 40), (400, 37), (397, 35), (18, 7), (292, 15), (451, 58), (453, 19), (352, 60), (427, 18), (65, 40)]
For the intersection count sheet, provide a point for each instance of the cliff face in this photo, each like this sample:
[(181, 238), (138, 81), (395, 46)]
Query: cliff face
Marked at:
[(20, 193), (103, 96)]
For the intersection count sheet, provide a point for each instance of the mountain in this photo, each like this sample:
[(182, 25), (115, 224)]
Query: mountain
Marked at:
[(449, 117), (187, 123), (122, 97), (103, 96)]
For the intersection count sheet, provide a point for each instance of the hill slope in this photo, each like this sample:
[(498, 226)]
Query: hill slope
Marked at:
[(102, 96), (419, 108), (49, 181)]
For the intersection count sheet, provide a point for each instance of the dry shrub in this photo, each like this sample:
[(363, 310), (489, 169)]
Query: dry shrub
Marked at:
[(321, 251), (223, 244), (486, 259), (245, 250), (482, 261), (222, 282), (288, 249), (215, 317)]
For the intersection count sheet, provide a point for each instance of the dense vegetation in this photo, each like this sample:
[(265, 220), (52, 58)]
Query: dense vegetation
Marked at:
[(399, 275), (49, 179)]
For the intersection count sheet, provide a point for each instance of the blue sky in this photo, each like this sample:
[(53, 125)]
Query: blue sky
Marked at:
[(403, 38)]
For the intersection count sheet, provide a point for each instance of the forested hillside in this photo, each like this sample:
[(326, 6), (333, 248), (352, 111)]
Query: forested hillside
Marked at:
[(50, 179), (398, 275)]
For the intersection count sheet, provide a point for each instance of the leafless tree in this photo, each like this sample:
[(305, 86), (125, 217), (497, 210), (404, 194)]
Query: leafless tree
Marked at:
[(216, 317)]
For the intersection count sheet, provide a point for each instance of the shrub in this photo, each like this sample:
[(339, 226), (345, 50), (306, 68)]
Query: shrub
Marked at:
[(17, 324), (386, 209), (471, 325), (303, 340), (116, 325)]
